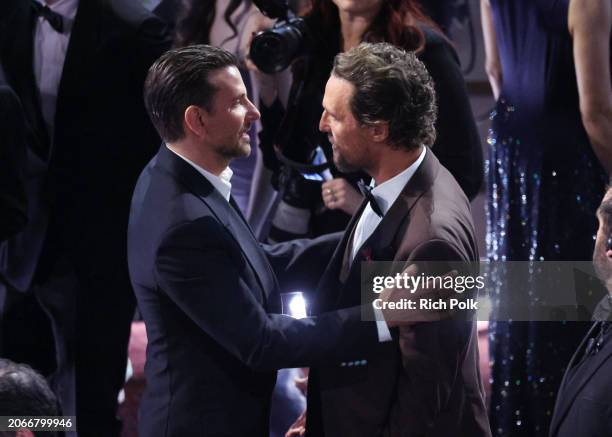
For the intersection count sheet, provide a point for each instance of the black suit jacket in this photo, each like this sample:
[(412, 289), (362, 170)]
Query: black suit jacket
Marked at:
[(584, 400), (426, 382), (13, 212), (208, 294), (81, 179)]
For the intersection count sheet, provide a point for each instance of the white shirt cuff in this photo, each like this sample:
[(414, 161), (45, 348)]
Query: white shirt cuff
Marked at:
[(381, 326)]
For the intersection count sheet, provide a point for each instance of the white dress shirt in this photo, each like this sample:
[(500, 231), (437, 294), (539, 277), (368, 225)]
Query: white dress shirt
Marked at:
[(50, 49), (221, 183), (385, 194)]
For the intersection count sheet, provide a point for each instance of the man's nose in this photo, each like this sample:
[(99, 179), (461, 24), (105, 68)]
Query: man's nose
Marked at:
[(323, 126), (253, 113)]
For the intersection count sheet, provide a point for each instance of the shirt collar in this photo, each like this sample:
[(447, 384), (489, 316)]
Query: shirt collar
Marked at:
[(221, 183), (66, 8), (388, 192)]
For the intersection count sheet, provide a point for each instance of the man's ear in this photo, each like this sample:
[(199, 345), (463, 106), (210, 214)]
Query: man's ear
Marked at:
[(379, 131), (195, 120)]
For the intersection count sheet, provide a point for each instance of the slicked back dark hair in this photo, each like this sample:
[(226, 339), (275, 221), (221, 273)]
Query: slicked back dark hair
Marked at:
[(391, 85), (24, 392), (179, 79)]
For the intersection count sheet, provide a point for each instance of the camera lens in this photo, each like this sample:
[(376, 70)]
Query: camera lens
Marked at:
[(273, 50)]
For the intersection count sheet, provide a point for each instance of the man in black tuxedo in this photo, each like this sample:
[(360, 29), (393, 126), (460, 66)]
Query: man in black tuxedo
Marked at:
[(13, 212), (207, 289), (584, 401), (78, 68)]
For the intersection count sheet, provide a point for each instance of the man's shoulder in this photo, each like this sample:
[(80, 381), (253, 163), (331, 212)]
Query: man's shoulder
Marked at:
[(160, 193), (164, 212), (444, 201), (442, 216)]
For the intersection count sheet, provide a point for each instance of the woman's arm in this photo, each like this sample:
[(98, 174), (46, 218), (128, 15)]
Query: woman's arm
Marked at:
[(589, 24), (492, 63)]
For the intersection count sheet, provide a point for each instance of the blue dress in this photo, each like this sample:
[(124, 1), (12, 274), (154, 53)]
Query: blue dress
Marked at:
[(544, 186)]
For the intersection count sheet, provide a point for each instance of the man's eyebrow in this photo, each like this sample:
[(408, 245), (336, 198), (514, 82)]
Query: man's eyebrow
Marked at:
[(330, 112)]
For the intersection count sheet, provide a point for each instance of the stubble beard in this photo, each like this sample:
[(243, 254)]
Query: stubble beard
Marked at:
[(342, 164), (240, 149)]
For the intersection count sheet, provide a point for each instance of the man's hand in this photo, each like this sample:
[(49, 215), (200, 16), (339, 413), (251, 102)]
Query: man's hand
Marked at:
[(301, 383), (299, 426), (402, 317), (339, 194)]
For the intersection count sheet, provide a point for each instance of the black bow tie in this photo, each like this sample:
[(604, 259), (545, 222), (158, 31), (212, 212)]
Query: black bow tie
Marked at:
[(56, 21), (366, 191)]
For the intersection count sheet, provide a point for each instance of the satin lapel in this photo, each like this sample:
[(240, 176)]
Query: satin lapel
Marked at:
[(568, 393), (237, 228), (329, 286), (258, 258), (18, 58), (233, 203), (240, 231), (382, 245), (85, 38)]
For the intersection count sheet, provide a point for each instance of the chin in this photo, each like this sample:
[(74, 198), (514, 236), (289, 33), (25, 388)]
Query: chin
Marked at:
[(342, 165), (244, 150)]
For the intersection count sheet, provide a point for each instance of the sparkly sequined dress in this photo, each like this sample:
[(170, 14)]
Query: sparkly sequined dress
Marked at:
[(544, 185)]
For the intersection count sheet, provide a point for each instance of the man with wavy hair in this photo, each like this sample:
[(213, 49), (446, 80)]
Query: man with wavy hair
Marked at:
[(379, 113)]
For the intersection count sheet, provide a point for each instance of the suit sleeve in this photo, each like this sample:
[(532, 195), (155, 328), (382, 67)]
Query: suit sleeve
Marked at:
[(457, 144), (197, 270), (299, 264), (433, 352)]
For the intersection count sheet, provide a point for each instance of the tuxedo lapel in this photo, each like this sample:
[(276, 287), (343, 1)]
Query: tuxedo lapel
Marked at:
[(225, 213), (386, 235), (85, 39), (569, 391), (383, 244), (330, 285)]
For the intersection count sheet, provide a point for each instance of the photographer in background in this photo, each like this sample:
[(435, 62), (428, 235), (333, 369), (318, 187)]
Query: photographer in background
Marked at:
[(315, 200)]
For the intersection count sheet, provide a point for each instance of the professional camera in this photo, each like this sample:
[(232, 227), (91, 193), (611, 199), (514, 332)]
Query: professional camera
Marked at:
[(274, 49)]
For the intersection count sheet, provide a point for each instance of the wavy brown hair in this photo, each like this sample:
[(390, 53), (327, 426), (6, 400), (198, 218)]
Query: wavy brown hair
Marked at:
[(397, 22), (196, 19)]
